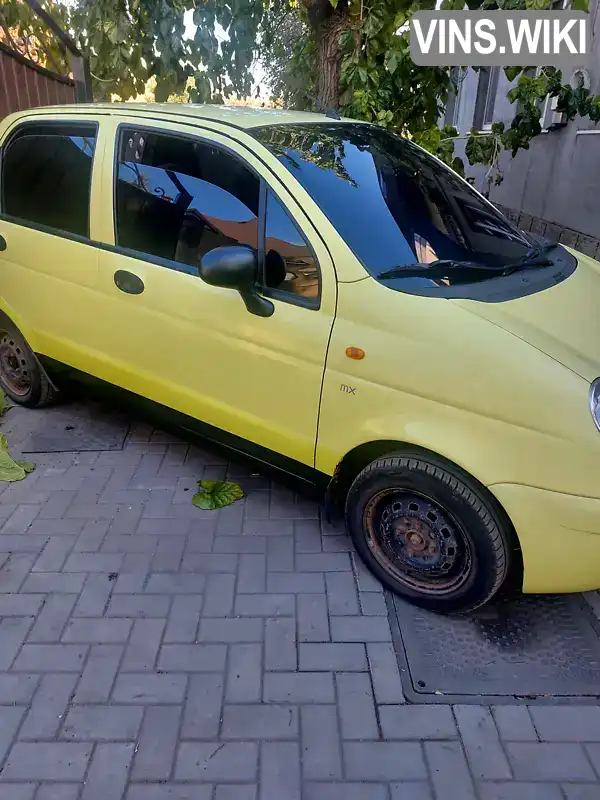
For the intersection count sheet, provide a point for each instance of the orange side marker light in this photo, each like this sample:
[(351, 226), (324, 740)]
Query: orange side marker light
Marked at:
[(355, 352)]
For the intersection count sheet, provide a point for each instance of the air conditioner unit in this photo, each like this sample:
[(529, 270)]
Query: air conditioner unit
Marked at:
[(557, 119)]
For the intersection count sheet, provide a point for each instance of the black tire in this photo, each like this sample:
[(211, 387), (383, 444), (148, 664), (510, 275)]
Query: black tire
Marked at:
[(429, 533), (22, 377)]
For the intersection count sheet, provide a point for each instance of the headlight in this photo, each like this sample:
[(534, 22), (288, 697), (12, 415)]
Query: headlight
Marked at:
[(595, 402)]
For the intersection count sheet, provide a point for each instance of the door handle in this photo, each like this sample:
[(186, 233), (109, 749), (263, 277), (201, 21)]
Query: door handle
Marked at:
[(128, 282), (2, 243)]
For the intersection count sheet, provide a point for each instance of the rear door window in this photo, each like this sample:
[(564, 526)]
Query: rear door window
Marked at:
[(47, 176)]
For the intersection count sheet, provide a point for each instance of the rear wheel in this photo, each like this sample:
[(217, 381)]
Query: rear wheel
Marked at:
[(21, 375), (430, 534)]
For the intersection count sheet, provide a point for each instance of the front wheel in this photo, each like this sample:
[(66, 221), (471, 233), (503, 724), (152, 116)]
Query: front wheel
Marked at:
[(430, 535)]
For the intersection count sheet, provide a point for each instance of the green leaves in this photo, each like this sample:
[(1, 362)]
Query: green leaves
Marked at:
[(479, 148), (216, 494), (11, 470), (385, 118), (4, 404), (347, 41), (392, 61), (512, 72), (458, 166), (164, 88)]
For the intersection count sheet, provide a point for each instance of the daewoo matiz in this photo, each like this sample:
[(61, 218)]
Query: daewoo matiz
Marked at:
[(332, 299)]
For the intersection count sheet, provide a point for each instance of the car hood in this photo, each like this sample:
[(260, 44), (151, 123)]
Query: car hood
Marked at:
[(562, 321)]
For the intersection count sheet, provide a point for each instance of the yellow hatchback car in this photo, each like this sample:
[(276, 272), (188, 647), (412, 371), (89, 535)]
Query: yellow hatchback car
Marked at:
[(332, 299)]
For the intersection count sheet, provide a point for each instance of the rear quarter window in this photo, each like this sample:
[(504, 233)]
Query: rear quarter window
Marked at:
[(47, 176)]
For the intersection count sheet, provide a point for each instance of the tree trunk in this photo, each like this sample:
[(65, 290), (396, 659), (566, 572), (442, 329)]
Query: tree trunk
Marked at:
[(327, 25), (329, 59)]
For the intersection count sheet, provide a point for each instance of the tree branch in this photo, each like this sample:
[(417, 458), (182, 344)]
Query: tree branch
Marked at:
[(49, 56), (54, 27)]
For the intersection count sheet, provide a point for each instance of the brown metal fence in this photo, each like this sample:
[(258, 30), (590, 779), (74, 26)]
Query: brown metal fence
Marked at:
[(24, 84)]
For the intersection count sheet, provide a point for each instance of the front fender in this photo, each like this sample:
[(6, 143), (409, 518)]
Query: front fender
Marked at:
[(492, 451), (439, 378)]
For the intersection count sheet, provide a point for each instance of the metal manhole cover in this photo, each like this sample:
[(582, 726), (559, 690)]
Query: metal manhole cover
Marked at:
[(77, 427), (532, 648)]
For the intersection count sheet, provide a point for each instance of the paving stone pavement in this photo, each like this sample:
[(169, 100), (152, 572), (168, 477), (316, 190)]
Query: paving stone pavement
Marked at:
[(152, 651)]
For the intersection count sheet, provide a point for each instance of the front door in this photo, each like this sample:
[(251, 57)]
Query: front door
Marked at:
[(171, 337)]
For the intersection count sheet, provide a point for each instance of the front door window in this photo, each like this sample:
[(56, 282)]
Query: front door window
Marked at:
[(177, 198)]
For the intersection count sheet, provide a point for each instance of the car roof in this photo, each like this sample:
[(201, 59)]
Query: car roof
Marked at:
[(238, 116)]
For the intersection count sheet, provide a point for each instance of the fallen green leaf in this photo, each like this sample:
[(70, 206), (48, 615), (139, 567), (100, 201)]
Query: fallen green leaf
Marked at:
[(4, 404), (28, 466), (203, 501), (209, 486), (216, 494), (10, 470)]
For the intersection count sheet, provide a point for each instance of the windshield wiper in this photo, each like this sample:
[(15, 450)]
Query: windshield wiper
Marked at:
[(435, 269), (535, 258), (440, 268)]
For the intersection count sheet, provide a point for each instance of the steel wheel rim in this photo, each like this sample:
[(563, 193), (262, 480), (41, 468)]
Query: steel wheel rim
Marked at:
[(14, 368), (416, 540)]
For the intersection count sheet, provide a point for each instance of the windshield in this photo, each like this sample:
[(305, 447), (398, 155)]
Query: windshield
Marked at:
[(392, 202)]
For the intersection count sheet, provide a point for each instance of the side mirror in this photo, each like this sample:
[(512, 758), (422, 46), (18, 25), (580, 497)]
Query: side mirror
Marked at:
[(236, 267)]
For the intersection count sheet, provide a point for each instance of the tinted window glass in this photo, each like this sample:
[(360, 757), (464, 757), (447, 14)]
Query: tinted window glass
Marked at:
[(177, 198), (289, 263), (392, 202), (47, 175)]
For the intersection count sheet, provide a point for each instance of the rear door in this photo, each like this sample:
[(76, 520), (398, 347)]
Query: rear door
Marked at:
[(179, 192), (49, 267)]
